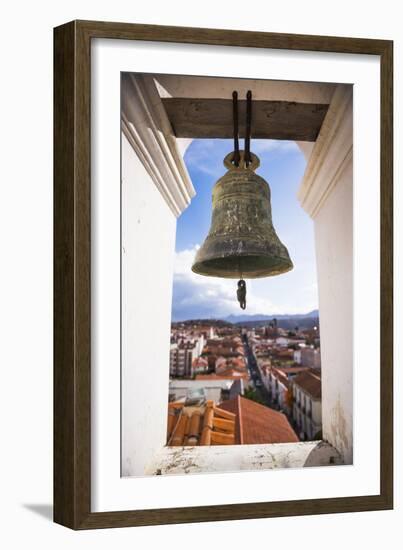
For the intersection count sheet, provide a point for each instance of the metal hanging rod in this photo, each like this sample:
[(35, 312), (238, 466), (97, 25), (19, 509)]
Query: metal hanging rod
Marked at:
[(236, 157)]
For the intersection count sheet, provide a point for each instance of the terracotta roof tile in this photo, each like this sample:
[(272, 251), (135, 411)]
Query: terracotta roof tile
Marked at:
[(199, 425), (235, 421), (310, 382), (257, 424), (292, 370), (227, 375)]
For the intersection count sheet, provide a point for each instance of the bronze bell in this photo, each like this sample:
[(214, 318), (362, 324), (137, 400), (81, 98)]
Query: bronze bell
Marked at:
[(242, 241)]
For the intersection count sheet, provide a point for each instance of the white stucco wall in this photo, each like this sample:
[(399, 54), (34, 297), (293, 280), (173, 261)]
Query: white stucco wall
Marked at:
[(235, 458), (326, 194), (148, 241), (334, 253)]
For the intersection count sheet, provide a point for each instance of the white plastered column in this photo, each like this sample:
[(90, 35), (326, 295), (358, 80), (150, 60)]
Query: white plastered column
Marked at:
[(155, 190), (326, 194)]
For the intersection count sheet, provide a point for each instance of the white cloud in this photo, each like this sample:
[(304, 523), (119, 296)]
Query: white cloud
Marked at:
[(207, 155), (260, 146), (212, 296), (207, 158)]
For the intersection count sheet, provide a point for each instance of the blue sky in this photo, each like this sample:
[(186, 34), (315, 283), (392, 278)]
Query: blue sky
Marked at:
[(282, 165)]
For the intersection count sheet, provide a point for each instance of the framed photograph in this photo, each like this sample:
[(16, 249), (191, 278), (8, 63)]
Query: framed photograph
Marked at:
[(222, 275)]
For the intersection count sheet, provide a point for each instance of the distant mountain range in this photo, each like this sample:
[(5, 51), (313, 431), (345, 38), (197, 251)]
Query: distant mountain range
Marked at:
[(285, 321), (244, 318)]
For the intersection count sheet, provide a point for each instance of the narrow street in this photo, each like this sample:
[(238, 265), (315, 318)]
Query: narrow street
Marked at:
[(256, 378), (254, 373)]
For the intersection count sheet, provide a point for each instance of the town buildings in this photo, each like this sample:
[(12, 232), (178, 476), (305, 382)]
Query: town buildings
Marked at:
[(310, 357), (201, 349), (185, 351), (278, 370), (182, 355), (307, 405), (216, 389), (290, 371)]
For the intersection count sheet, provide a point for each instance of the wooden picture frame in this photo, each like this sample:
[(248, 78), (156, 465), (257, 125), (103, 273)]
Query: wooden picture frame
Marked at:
[(72, 270)]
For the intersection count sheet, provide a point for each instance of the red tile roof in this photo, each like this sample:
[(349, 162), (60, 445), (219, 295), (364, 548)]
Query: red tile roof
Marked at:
[(257, 424), (292, 370), (200, 425), (310, 382), (227, 375)]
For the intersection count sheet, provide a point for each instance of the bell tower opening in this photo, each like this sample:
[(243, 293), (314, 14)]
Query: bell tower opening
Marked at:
[(267, 377), (213, 341)]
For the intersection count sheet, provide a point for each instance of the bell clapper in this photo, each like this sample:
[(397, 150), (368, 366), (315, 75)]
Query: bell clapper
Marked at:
[(241, 293)]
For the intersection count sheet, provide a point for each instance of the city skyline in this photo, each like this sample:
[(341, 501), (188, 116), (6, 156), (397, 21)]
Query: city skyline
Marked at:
[(195, 296), (266, 377)]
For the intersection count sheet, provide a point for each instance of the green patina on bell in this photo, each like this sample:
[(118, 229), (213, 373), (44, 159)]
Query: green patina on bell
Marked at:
[(242, 241)]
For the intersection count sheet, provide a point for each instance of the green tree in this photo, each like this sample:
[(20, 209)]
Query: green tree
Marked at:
[(253, 395)]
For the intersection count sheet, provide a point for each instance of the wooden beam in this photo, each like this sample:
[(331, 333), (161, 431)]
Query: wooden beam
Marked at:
[(212, 118)]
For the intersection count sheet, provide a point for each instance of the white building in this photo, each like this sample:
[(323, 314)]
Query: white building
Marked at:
[(181, 357), (216, 390), (297, 356), (183, 353), (264, 366), (282, 341), (310, 357), (307, 405), (278, 389)]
